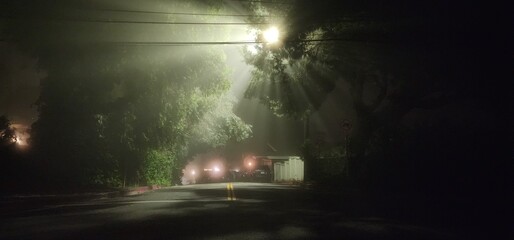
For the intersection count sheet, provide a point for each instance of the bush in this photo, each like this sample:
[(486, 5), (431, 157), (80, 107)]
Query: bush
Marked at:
[(157, 167)]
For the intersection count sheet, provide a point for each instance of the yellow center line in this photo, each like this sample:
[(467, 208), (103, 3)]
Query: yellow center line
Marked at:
[(233, 192), (230, 191), (229, 197)]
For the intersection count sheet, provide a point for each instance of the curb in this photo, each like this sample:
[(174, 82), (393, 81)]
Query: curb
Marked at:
[(87, 195), (139, 190)]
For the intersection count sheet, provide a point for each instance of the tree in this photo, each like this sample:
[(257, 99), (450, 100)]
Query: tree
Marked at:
[(393, 57), (127, 117), (115, 114), (7, 133), (220, 125)]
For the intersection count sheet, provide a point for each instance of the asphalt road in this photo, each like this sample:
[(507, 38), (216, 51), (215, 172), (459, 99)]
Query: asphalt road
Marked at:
[(205, 211)]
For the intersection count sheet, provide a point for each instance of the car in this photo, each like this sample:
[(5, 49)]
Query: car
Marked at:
[(214, 173), (257, 174), (262, 174)]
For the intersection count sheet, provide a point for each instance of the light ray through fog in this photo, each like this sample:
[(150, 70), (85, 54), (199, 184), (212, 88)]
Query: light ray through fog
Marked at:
[(240, 71)]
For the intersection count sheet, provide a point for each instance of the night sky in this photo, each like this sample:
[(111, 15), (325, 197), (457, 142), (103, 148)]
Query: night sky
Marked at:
[(19, 77)]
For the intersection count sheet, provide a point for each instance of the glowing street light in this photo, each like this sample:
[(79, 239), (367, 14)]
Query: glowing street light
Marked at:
[(193, 172), (271, 35)]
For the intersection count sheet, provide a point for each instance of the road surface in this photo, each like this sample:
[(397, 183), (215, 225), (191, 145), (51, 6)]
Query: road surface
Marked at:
[(206, 211)]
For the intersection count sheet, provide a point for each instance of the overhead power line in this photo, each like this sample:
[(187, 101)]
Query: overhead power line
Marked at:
[(267, 2), (137, 22), (177, 13), (193, 43), (157, 22), (206, 43), (185, 43)]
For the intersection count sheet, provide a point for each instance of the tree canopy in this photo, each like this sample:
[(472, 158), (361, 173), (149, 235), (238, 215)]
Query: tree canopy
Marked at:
[(7, 134), (393, 57), (113, 114)]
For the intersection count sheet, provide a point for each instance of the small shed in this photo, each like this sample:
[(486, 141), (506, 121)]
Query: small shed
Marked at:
[(286, 168)]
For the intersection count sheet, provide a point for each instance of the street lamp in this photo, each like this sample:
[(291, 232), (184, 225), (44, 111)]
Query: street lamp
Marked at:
[(271, 35), (193, 172)]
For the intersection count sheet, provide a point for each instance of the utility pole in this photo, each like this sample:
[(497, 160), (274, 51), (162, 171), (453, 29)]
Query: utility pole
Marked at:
[(309, 166), (306, 128), (346, 126)]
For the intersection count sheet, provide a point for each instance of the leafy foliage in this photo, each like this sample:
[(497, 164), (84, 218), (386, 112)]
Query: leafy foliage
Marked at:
[(393, 57), (7, 134), (114, 118), (220, 125), (157, 167), (120, 115)]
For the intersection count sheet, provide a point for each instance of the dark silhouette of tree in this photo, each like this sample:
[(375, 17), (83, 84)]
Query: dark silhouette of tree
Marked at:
[(7, 133), (394, 57)]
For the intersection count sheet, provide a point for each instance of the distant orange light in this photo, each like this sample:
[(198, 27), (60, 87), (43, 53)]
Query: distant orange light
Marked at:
[(20, 141)]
